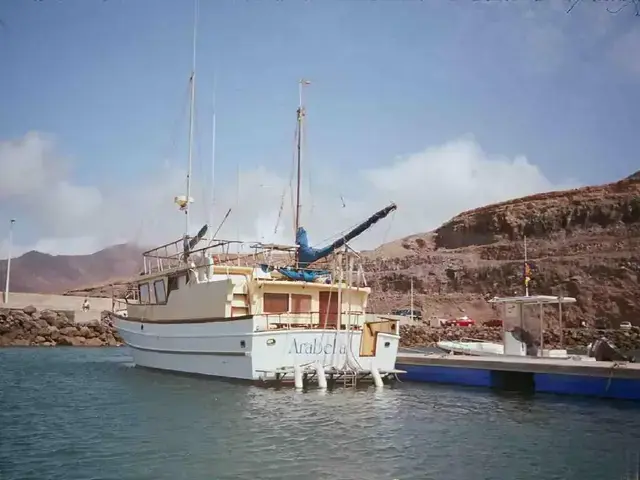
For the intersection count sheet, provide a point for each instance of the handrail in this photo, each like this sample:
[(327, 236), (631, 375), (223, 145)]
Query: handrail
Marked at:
[(308, 319), (175, 263)]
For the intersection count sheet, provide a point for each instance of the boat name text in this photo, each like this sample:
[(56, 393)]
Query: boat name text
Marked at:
[(317, 347)]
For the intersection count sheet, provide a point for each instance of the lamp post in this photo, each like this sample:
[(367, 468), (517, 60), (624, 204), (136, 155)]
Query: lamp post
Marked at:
[(6, 285)]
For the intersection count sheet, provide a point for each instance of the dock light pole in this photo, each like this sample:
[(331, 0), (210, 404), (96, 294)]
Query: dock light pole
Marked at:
[(6, 285)]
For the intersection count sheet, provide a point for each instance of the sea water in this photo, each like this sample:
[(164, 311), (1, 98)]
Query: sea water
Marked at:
[(87, 413)]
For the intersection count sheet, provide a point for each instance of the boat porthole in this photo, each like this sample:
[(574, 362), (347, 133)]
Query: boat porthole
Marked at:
[(242, 344), (387, 344), (271, 341)]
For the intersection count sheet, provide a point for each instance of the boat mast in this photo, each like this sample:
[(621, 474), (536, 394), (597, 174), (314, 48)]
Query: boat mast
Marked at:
[(192, 82), (213, 156), (301, 114)]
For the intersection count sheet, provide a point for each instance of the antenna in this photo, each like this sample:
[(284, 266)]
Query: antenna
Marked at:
[(191, 114)]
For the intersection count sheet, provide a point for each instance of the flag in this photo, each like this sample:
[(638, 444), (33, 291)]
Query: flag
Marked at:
[(527, 273)]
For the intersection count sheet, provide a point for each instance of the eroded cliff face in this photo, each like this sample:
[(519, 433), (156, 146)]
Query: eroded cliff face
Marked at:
[(583, 243)]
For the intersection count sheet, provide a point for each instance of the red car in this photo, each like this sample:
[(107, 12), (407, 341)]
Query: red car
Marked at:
[(458, 322), (465, 321)]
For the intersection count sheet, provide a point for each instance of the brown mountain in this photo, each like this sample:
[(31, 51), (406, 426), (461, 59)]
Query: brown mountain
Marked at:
[(43, 273), (583, 242)]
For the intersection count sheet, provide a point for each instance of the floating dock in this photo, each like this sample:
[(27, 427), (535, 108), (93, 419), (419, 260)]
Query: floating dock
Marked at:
[(619, 380)]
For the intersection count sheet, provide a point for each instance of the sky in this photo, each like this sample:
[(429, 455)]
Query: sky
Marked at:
[(440, 106)]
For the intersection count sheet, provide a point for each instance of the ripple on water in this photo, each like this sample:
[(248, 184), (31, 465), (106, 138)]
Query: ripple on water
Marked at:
[(84, 413)]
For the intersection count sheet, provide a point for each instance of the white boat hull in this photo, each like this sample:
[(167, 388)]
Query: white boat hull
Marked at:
[(234, 349), (484, 349)]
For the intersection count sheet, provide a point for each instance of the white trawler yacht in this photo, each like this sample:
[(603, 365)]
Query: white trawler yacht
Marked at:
[(269, 315), (255, 321)]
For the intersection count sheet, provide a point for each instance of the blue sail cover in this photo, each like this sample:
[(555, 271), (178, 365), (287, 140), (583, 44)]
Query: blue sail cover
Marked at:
[(308, 255), (303, 275), (297, 274)]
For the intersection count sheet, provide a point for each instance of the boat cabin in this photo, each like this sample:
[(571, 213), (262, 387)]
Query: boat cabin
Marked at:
[(220, 290)]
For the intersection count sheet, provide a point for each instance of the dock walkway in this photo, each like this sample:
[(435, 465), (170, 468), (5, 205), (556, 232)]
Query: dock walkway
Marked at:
[(549, 375)]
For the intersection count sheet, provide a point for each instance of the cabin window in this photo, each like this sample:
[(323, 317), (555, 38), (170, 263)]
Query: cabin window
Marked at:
[(300, 303), (173, 283), (144, 293), (161, 296), (276, 303)]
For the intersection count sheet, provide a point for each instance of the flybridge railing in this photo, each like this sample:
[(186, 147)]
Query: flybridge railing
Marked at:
[(353, 320), (248, 254), (224, 252)]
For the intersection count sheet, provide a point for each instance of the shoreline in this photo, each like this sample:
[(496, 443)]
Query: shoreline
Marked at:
[(28, 327)]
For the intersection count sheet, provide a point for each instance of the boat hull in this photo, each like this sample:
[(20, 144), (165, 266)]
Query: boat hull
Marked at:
[(234, 349), (491, 349)]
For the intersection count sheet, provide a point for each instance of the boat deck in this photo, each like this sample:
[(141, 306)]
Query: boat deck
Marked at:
[(549, 375)]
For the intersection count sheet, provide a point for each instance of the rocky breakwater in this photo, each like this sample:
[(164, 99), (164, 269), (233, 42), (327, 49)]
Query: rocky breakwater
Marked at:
[(30, 327), (421, 336)]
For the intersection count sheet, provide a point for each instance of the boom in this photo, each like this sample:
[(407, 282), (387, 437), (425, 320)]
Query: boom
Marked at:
[(308, 255)]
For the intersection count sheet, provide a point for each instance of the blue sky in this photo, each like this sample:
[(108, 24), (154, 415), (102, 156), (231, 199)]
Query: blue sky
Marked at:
[(441, 106)]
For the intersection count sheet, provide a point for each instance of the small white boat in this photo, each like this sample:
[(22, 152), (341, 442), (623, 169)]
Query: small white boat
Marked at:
[(482, 348), (522, 331)]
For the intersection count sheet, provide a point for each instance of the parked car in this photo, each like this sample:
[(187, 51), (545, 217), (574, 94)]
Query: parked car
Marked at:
[(457, 322), (465, 321), (625, 325), (406, 312)]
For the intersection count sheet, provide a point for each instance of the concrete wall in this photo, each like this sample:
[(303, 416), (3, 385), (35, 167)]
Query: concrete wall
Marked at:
[(55, 302)]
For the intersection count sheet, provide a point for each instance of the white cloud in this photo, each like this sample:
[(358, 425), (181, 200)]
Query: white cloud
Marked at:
[(429, 188)]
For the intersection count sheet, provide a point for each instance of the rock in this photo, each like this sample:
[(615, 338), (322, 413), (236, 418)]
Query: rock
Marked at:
[(69, 331), (50, 317), (30, 310), (86, 332), (65, 341), (93, 342), (42, 323), (50, 328), (20, 317)]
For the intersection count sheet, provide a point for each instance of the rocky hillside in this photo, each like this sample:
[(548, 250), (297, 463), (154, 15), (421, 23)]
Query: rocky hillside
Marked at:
[(584, 243), (36, 272)]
